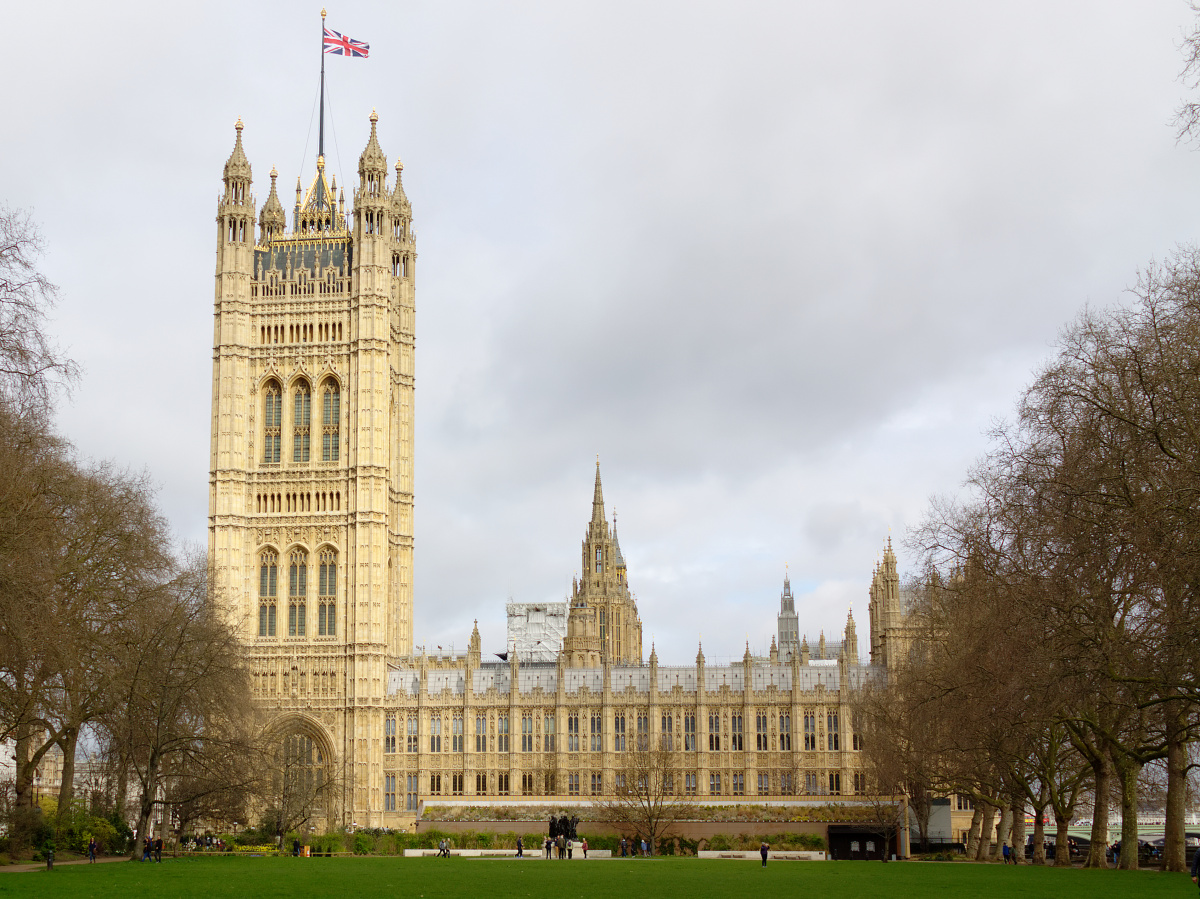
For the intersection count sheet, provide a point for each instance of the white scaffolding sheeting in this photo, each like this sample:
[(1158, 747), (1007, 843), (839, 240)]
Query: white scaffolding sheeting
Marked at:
[(536, 630)]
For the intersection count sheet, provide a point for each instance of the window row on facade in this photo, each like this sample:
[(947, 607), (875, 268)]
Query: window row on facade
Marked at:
[(298, 594), (300, 425), (626, 731), (599, 783)]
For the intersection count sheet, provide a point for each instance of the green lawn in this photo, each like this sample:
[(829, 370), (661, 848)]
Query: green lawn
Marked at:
[(432, 878)]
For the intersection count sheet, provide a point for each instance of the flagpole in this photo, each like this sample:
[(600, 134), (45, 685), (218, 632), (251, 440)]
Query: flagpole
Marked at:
[(321, 132)]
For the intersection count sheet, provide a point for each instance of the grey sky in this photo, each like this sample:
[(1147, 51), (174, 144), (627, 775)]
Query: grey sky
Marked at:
[(778, 264)]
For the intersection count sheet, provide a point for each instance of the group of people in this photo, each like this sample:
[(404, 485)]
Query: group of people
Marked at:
[(559, 847), (152, 848), (443, 849), (628, 848)]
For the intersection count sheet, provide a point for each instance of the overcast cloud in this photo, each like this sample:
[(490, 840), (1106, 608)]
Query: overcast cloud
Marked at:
[(779, 264)]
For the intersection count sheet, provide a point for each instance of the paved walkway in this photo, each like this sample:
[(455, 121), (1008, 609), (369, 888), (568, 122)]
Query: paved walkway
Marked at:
[(41, 866)]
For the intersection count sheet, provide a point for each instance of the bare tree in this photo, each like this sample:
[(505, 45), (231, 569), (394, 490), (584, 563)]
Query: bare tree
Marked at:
[(645, 796), (185, 700), (30, 365)]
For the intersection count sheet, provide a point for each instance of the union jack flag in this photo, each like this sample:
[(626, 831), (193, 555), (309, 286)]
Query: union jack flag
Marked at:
[(340, 45)]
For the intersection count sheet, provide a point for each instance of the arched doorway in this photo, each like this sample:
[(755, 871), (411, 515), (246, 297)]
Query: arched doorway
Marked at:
[(303, 788)]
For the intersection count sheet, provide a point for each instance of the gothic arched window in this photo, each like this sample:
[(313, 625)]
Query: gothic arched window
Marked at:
[(267, 579), (331, 416), (300, 423), (297, 592), (272, 416), (327, 594)]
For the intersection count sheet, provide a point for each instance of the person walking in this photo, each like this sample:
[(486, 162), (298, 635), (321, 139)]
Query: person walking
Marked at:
[(146, 849), (1006, 852), (1196, 867), (158, 850), (584, 847), (763, 849), (520, 848), (92, 851)]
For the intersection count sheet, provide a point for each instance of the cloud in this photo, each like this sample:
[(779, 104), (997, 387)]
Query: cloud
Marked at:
[(779, 264)]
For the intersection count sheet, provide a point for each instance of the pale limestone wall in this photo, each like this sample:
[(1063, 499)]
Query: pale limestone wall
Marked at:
[(350, 319), (447, 689)]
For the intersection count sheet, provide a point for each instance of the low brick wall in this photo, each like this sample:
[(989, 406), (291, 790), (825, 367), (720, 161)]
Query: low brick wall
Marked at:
[(688, 830)]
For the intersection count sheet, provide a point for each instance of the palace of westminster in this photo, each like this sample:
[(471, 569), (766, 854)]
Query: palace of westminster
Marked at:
[(311, 538)]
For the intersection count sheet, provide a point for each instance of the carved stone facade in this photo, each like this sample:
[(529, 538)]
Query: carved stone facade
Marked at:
[(310, 536), (310, 495)]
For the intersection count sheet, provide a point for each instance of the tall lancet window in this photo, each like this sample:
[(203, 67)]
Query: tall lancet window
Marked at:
[(297, 592), (300, 423), (331, 415), (268, 575), (327, 594), (272, 416)]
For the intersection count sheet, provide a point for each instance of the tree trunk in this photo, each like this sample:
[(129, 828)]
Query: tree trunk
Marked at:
[(1062, 846), (986, 832), (146, 808), (66, 789), (1039, 835), (1017, 807), (973, 834), (1127, 771), (22, 770), (1102, 775), (121, 799), (1174, 848), (1002, 832)]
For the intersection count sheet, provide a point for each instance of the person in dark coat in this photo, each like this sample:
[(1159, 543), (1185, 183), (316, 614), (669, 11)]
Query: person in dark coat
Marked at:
[(158, 850), (520, 848), (1196, 866), (763, 850)]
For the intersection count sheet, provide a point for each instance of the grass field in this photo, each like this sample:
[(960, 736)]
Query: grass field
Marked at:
[(432, 878)]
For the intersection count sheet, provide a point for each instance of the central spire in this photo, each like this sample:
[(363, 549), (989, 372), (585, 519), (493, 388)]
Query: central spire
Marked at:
[(598, 498)]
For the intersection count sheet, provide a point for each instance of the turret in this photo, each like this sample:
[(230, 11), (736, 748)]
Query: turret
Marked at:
[(850, 644), (272, 221), (235, 211), (788, 623), (372, 166), (474, 656)]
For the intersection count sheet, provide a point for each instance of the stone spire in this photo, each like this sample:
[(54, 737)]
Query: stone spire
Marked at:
[(372, 164), (272, 220), (598, 498), (850, 644), (620, 559), (474, 655), (399, 198), (237, 167), (787, 622)]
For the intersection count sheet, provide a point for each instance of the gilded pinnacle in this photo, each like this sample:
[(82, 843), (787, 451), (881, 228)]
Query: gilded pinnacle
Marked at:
[(239, 126), (320, 163), (374, 116)]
